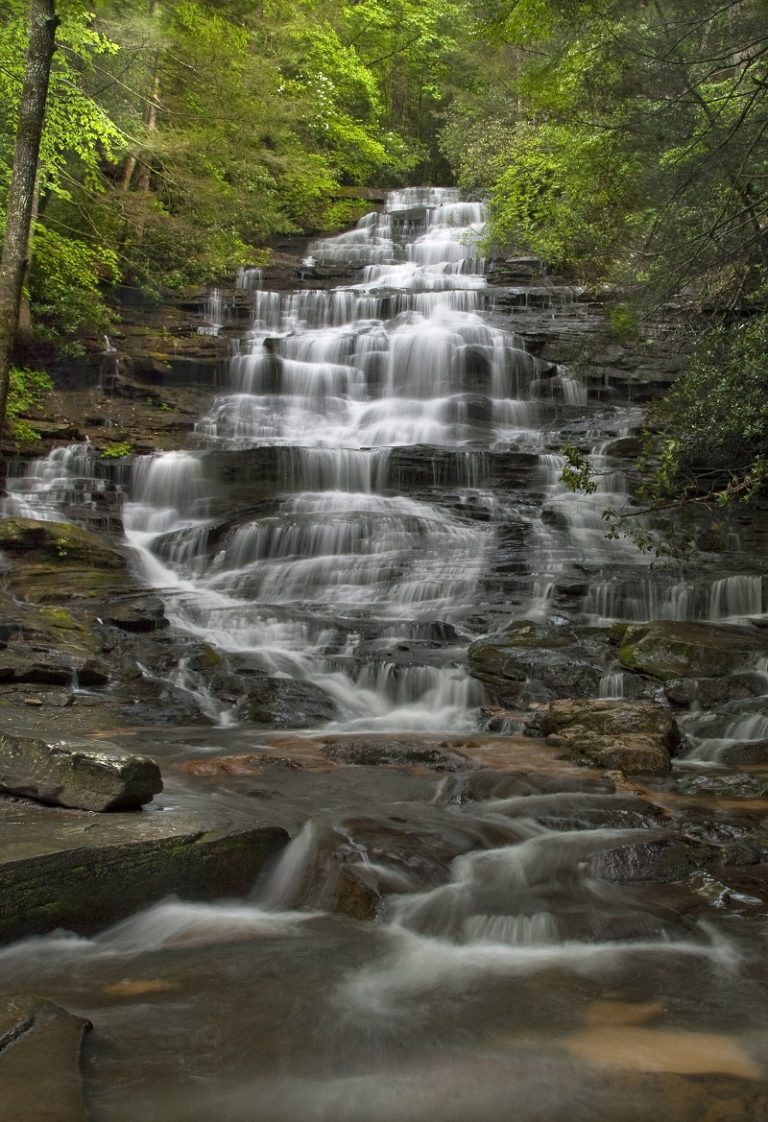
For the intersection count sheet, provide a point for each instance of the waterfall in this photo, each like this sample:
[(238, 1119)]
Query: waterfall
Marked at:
[(411, 440)]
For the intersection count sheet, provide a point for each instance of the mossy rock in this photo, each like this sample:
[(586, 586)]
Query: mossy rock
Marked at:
[(667, 650), (49, 583), (58, 543)]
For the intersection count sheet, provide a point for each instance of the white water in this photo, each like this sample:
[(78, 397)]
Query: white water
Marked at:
[(337, 379)]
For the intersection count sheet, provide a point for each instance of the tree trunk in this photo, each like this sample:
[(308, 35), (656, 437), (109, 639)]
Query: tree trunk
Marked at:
[(21, 196), (150, 111)]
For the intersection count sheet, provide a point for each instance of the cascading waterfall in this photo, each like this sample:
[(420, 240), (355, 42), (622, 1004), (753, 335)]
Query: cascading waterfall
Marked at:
[(337, 379), (342, 570), (523, 950)]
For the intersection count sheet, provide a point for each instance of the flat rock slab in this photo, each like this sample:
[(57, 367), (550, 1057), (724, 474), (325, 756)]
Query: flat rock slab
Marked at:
[(80, 871), (40, 1045), (90, 775)]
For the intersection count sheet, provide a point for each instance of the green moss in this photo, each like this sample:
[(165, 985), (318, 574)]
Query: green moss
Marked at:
[(60, 617)]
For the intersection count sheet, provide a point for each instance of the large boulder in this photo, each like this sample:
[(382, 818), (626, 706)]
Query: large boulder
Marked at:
[(534, 661), (667, 650), (634, 737), (90, 775)]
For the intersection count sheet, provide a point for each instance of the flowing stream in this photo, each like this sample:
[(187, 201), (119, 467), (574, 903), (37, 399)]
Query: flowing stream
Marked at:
[(528, 960)]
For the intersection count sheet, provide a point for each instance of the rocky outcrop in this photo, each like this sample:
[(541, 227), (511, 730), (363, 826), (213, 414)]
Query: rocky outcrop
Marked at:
[(667, 650), (140, 614), (71, 869), (49, 562), (90, 775), (634, 737), (261, 698), (531, 661), (58, 542)]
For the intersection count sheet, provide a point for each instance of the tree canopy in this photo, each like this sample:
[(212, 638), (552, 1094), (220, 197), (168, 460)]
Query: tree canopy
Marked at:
[(181, 135)]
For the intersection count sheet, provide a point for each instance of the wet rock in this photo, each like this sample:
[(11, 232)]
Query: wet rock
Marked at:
[(740, 891), (146, 613), (250, 763), (533, 661), (515, 270), (709, 692), (479, 786), (159, 705), (669, 650), (496, 719), (55, 562), (634, 737), (352, 893), (265, 700), (90, 775), (372, 751), (398, 864), (746, 754), (288, 703), (672, 858), (73, 869), (50, 667), (736, 785), (40, 1046)]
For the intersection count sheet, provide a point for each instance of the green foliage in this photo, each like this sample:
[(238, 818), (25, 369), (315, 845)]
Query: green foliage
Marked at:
[(705, 444), (629, 141), (117, 451), (65, 283), (27, 389), (577, 473), (713, 423), (181, 135)]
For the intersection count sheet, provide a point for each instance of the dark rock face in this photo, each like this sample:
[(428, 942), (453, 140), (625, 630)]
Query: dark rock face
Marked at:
[(143, 614), (747, 754), (90, 775), (58, 541), (635, 737), (661, 859), (50, 667), (709, 692), (68, 868), (287, 703), (533, 661), (261, 698)]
